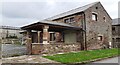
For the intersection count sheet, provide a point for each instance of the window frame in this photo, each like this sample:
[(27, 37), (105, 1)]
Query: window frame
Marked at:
[(117, 39), (100, 37), (52, 38), (94, 16), (113, 28), (72, 20), (68, 20)]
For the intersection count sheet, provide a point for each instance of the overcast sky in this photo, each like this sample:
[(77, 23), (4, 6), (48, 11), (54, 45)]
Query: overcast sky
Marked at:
[(23, 12)]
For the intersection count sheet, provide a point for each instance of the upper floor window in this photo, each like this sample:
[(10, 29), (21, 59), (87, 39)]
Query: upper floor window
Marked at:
[(104, 19), (96, 7), (66, 20), (69, 20), (72, 19), (94, 16)]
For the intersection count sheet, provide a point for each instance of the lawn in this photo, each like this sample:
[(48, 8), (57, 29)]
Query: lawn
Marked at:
[(83, 55)]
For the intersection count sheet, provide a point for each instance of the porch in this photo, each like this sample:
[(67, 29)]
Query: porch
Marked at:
[(52, 37)]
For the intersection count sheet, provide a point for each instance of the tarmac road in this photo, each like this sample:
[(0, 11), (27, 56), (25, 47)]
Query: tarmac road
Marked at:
[(12, 49), (109, 60)]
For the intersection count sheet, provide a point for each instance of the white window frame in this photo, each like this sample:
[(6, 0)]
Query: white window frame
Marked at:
[(69, 20), (100, 37), (96, 16)]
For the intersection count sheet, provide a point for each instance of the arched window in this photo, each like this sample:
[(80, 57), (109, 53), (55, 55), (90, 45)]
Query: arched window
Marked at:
[(104, 19)]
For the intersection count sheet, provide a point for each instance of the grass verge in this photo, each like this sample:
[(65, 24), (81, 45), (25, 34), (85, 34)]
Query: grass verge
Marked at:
[(83, 56)]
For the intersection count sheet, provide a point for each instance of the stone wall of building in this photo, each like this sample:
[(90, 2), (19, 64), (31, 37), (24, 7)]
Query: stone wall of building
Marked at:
[(94, 29), (116, 30), (98, 29), (116, 35), (78, 19), (55, 48)]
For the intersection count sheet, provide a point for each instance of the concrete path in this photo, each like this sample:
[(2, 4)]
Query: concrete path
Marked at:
[(27, 59), (110, 60)]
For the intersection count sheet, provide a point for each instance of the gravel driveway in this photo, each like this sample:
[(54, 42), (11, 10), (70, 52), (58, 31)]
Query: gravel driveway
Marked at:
[(12, 49)]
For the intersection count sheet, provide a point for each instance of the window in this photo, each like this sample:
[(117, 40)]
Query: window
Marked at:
[(113, 40), (100, 38), (117, 39), (94, 16), (52, 36), (69, 20), (72, 19), (113, 31), (66, 20), (104, 19), (96, 7), (78, 37), (113, 28)]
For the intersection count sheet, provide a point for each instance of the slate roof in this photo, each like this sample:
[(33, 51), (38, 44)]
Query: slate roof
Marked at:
[(73, 11), (57, 23), (116, 21)]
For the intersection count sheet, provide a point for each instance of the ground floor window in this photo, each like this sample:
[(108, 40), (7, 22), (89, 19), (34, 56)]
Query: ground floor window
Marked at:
[(113, 39), (100, 38), (52, 36), (117, 39)]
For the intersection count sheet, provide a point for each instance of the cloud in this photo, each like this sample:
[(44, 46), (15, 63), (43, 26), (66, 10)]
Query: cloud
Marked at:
[(38, 10), (18, 13), (23, 13), (22, 10), (119, 9), (17, 21)]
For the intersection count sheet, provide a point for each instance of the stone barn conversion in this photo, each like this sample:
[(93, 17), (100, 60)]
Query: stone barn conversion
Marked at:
[(83, 28)]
